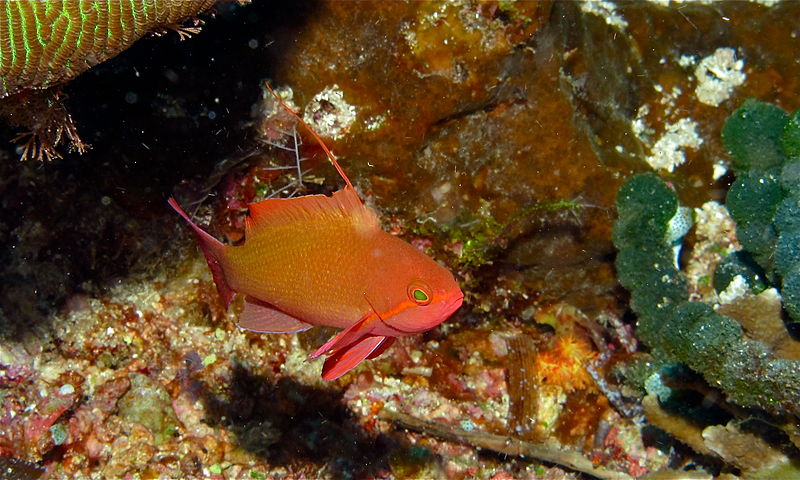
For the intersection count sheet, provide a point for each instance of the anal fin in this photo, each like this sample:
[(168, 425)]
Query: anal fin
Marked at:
[(258, 316)]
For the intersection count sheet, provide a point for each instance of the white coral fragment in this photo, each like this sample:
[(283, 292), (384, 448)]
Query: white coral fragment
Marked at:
[(606, 10), (667, 153), (717, 76), (329, 114)]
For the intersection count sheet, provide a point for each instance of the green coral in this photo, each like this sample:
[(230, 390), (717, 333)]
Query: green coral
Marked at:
[(754, 197), (790, 175), (699, 336), (739, 264), (764, 200), (790, 137), (764, 142), (753, 135), (791, 292), (787, 216), (692, 333), (645, 206)]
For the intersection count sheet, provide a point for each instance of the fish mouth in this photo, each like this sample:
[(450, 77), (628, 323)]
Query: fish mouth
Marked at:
[(455, 303)]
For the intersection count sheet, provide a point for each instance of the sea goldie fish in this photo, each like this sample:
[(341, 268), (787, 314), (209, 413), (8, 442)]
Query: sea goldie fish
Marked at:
[(324, 260)]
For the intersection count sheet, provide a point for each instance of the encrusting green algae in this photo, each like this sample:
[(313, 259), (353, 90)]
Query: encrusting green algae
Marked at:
[(732, 354)]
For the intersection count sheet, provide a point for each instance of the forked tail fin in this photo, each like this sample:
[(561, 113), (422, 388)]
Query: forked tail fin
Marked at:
[(313, 134), (214, 251)]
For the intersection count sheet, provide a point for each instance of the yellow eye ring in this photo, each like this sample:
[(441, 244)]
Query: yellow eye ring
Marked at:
[(419, 293)]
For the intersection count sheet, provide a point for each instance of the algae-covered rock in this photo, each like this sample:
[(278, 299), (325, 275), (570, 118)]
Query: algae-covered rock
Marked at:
[(148, 403)]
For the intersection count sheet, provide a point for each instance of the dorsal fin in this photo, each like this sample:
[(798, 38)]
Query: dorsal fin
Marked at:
[(313, 133), (342, 204)]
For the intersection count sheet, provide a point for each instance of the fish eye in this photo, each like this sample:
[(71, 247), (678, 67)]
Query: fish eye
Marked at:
[(418, 293)]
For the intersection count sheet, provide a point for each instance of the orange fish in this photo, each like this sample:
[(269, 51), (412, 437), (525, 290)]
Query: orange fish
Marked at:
[(319, 260)]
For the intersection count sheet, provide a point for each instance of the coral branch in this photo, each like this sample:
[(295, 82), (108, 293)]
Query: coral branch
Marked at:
[(503, 444)]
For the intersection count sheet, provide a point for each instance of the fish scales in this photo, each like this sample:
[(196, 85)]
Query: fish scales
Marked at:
[(306, 268)]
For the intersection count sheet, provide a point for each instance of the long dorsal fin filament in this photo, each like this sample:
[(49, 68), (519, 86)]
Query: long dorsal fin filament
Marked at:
[(313, 134)]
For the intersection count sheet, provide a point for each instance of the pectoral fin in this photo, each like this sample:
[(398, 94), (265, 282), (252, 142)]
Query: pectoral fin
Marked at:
[(385, 344), (258, 316), (348, 335), (345, 359)]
